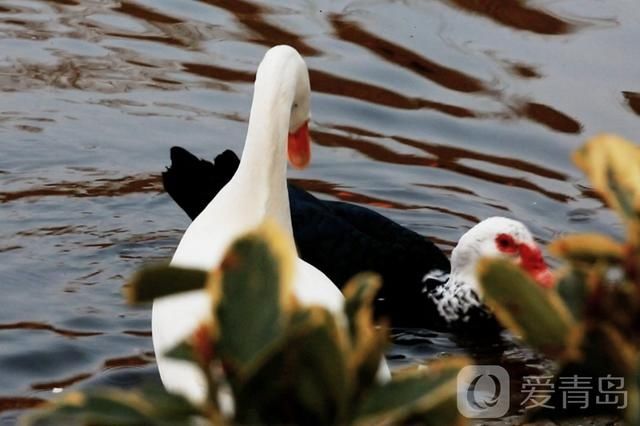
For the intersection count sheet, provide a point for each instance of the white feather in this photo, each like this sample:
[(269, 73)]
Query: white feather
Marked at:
[(462, 291), (257, 192)]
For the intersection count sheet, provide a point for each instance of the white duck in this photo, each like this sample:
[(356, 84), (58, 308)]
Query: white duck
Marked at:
[(278, 124)]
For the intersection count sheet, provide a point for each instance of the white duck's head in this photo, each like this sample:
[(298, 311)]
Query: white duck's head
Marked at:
[(493, 237), (283, 91)]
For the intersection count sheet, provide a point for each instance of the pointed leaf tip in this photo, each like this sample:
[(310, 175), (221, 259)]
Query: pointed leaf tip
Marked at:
[(538, 315), (612, 164), (253, 291), (162, 280)]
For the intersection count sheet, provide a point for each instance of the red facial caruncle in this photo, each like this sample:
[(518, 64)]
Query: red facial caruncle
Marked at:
[(531, 259)]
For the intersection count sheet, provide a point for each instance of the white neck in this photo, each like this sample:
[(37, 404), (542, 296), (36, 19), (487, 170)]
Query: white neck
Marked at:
[(463, 267), (263, 166), (454, 298)]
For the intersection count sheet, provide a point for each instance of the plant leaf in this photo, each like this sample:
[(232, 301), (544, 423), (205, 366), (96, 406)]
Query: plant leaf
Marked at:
[(574, 290), (305, 382), (253, 298), (113, 407), (359, 293), (609, 352), (367, 342), (414, 394), (632, 413), (182, 351), (613, 167), (320, 367), (538, 315), (163, 280), (588, 248)]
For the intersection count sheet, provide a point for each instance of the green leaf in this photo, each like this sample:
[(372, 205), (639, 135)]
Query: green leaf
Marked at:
[(155, 407), (168, 408), (367, 342), (414, 395), (359, 293), (575, 292), (253, 300), (538, 315), (613, 166), (632, 414), (163, 280), (320, 369), (608, 352), (182, 351), (588, 248), (304, 381)]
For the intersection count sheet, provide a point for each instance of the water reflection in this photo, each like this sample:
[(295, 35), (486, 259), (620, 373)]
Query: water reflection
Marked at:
[(114, 187), (19, 403), (633, 101), (405, 58), (446, 157), (253, 17), (41, 326), (436, 113), (518, 15)]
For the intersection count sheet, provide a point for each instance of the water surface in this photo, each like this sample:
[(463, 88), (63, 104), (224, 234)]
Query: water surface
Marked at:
[(435, 113)]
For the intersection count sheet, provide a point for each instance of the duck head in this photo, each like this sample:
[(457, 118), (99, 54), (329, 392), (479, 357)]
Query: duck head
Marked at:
[(493, 237), (282, 100)]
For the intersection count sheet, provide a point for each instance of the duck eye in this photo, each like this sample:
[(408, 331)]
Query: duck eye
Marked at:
[(505, 242), (295, 105)]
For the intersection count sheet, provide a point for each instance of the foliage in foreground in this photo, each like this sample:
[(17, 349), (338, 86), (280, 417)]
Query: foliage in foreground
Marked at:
[(590, 322), (282, 363)]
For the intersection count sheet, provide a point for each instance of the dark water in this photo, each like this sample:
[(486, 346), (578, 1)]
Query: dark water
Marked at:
[(436, 113)]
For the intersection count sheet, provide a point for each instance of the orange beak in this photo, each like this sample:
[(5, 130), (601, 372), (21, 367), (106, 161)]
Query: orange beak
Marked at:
[(299, 147), (534, 264)]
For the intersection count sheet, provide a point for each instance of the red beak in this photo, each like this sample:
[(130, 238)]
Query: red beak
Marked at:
[(299, 147), (534, 264)]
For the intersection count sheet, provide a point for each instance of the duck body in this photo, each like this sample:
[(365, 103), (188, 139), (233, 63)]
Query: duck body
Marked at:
[(339, 238), (256, 192)]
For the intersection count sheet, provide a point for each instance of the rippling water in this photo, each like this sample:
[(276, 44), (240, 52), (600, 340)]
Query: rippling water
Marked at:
[(436, 113)]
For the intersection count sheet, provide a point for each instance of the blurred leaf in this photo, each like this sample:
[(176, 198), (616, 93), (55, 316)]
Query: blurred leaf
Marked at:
[(282, 363), (538, 315), (253, 298), (414, 394), (574, 290), (113, 407), (359, 293), (305, 382), (613, 166), (320, 367), (367, 342), (168, 407), (162, 280), (589, 248), (618, 304), (608, 352), (445, 413), (183, 352), (632, 414)]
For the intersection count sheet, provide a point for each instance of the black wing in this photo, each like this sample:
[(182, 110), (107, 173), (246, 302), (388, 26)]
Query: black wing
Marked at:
[(193, 183), (342, 239)]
